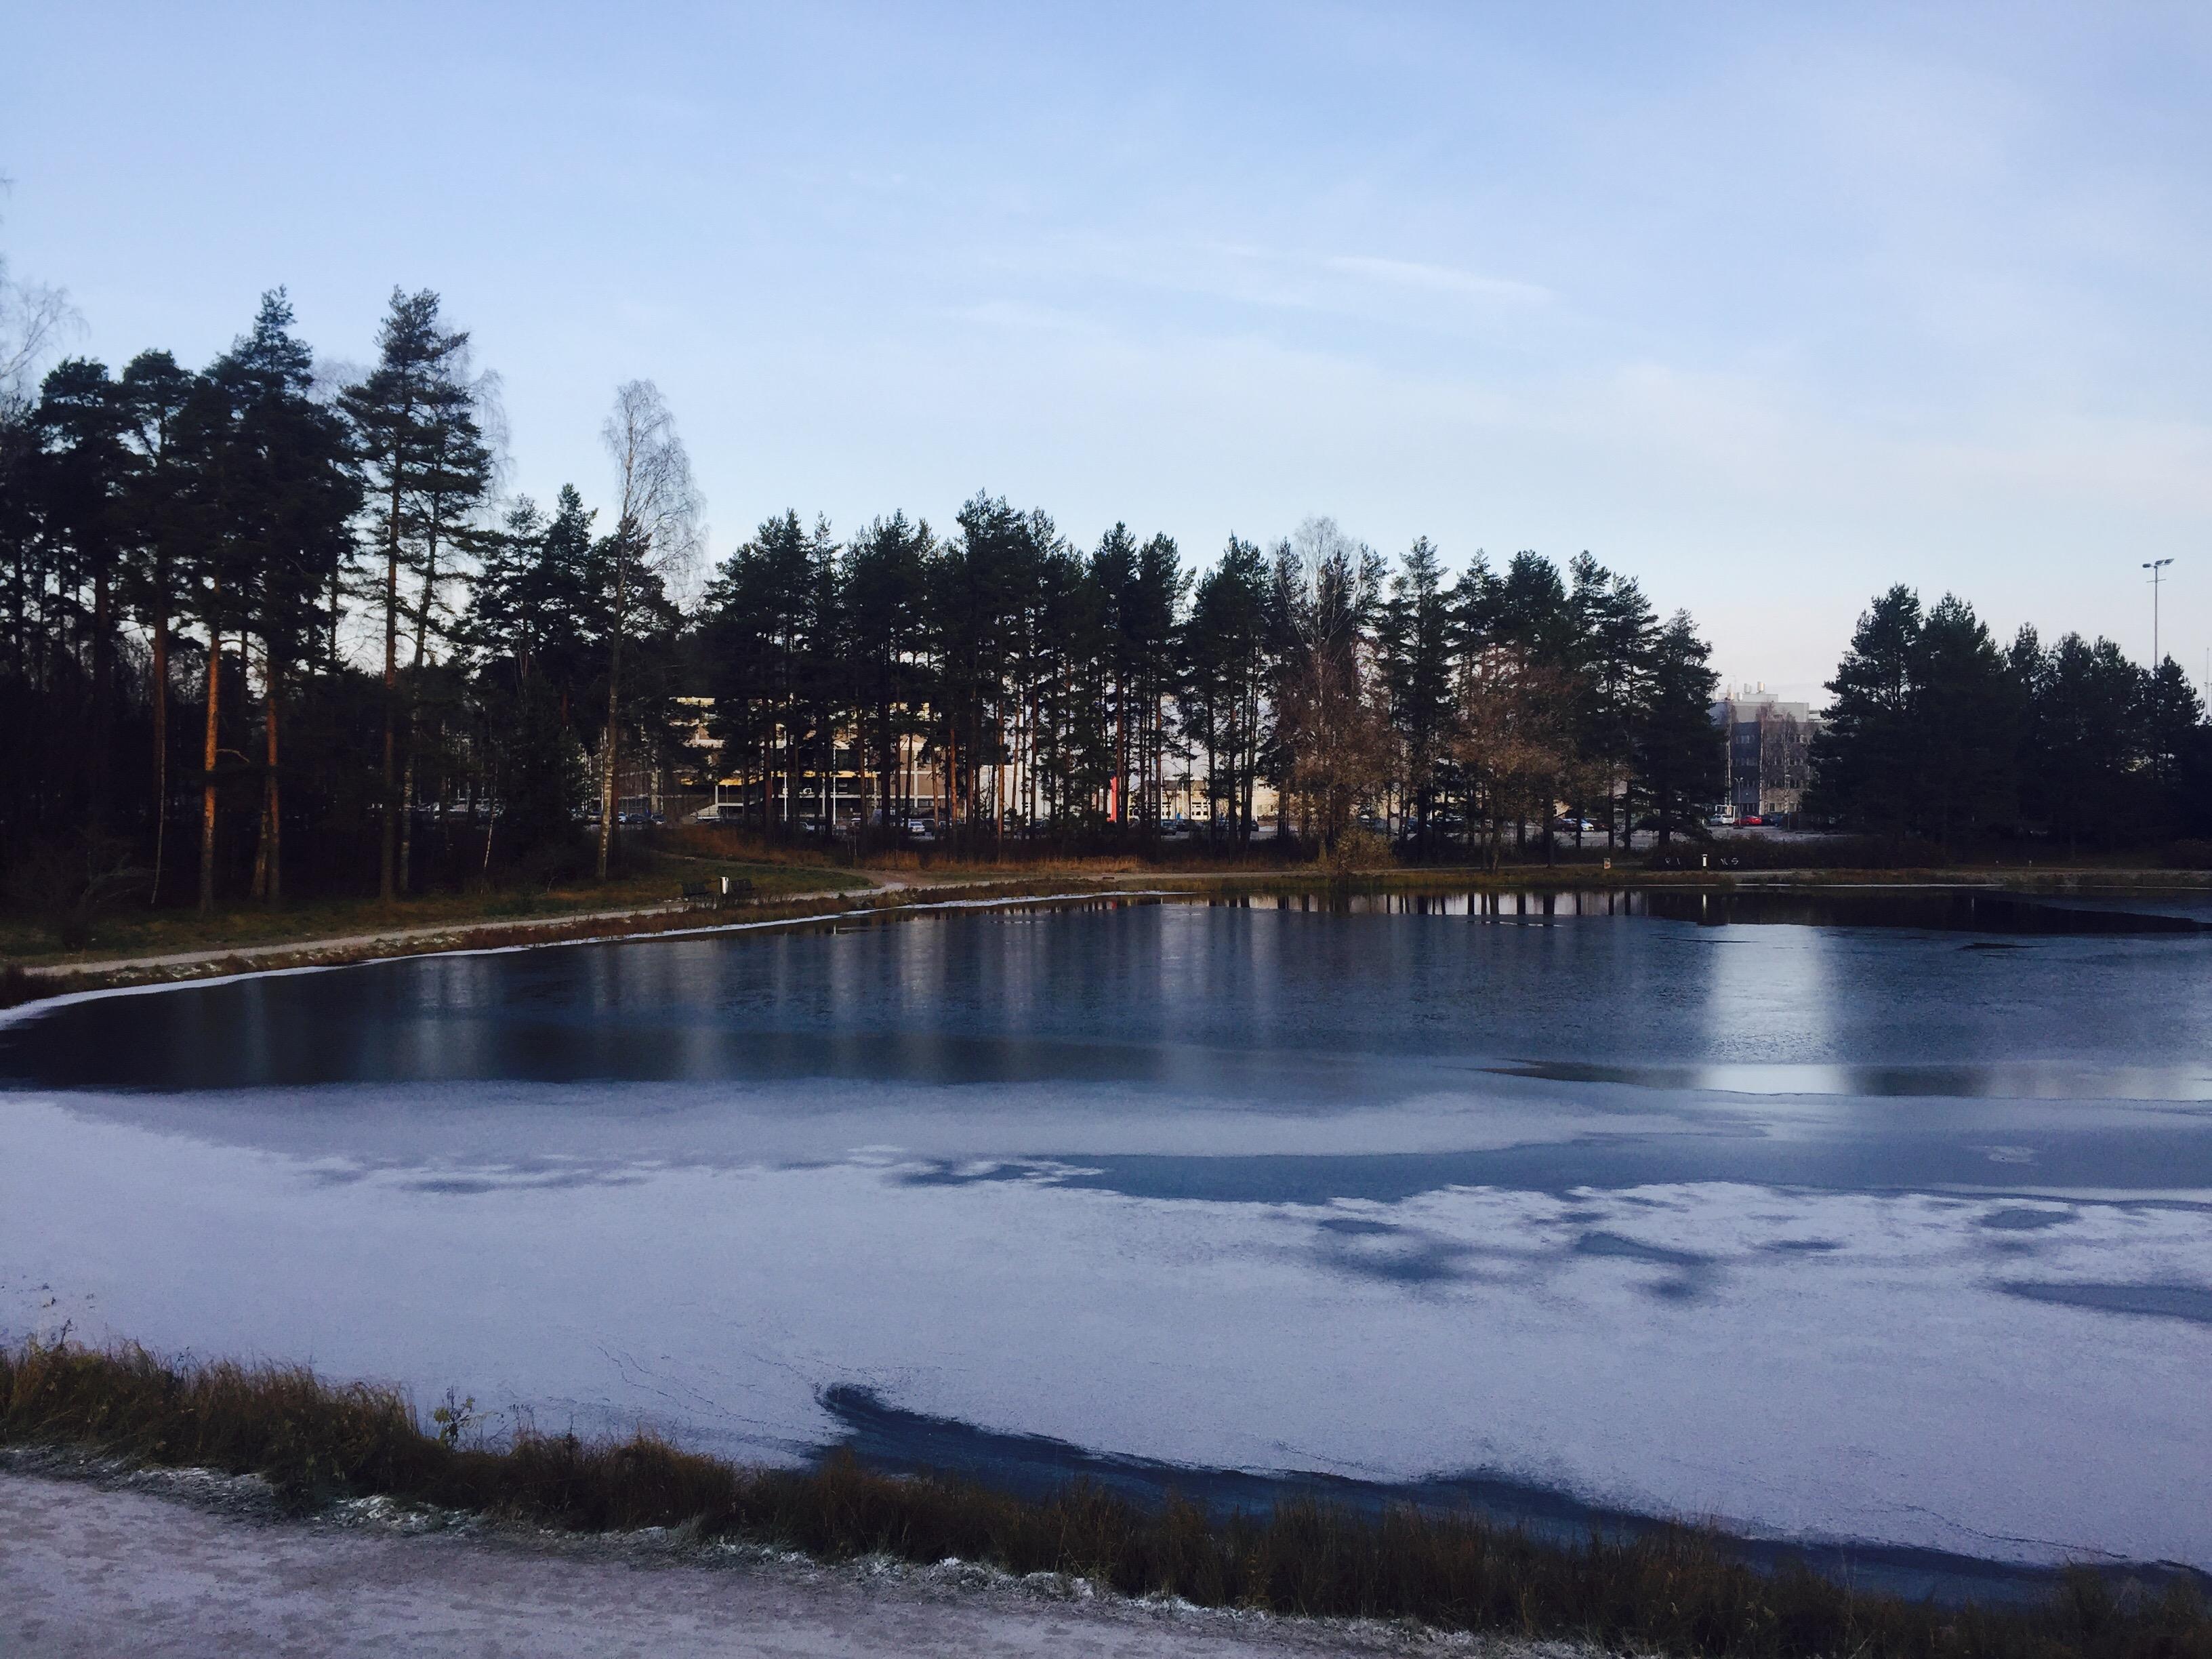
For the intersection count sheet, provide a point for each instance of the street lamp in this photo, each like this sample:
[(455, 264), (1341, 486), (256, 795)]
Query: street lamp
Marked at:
[(2156, 566)]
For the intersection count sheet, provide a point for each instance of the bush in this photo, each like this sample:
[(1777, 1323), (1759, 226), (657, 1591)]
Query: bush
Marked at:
[(551, 862), (65, 886), (1356, 853)]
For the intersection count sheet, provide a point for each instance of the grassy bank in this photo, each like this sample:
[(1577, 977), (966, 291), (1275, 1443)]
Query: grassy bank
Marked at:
[(1675, 1591), (650, 878), (338, 933), (657, 870), (21, 984)]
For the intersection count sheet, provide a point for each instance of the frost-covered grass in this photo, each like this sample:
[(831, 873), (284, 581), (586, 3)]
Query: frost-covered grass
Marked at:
[(1675, 1590)]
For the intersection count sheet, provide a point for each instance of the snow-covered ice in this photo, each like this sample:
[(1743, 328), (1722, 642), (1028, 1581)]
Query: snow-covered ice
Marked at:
[(1226, 1187)]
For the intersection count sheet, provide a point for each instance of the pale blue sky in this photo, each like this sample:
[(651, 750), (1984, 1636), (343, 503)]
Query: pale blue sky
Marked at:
[(1769, 306)]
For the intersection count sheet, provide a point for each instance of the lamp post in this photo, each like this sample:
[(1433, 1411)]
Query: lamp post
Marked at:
[(2157, 567)]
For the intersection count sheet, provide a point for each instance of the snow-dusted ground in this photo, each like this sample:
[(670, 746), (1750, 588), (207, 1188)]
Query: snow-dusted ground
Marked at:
[(1227, 1188), (94, 1571)]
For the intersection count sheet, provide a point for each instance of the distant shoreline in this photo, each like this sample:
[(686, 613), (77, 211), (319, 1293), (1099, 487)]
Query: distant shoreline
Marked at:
[(25, 983)]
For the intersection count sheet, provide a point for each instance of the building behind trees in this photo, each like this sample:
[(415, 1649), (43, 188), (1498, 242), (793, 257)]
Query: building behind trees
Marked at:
[(1769, 753)]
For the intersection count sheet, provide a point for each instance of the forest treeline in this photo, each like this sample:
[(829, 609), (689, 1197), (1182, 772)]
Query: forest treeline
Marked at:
[(271, 630), (1067, 688), (1936, 731), (264, 631)]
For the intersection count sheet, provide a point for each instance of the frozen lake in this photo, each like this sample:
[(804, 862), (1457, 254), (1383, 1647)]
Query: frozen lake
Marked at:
[(1885, 1219)]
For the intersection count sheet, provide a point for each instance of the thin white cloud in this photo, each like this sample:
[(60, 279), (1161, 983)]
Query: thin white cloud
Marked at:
[(1439, 279)]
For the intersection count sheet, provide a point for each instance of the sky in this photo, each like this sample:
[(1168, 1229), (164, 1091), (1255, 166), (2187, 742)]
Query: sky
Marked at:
[(1770, 307)]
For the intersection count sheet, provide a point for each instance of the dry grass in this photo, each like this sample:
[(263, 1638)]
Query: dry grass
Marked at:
[(1675, 1590), (19, 985), (650, 878)]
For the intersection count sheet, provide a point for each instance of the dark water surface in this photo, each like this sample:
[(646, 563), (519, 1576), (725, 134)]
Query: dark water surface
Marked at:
[(1839, 1217)]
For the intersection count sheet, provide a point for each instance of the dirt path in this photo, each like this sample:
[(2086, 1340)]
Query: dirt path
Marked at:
[(91, 1572)]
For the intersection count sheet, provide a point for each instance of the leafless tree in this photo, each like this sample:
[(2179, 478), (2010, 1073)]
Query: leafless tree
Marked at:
[(1328, 717), (1515, 738), (33, 319), (656, 534), (1338, 737)]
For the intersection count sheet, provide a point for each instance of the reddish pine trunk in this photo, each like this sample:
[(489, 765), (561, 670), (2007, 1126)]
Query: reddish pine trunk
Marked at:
[(207, 782), (268, 854), (160, 744)]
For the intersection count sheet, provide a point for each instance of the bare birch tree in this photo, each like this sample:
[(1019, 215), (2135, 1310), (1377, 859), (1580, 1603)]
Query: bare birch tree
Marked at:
[(33, 320), (1516, 739), (656, 533), (1332, 731)]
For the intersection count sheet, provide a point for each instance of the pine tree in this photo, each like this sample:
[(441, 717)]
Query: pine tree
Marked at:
[(1679, 752), (80, 480), (1619, 631), (1966, 716), (1417, 666), (1864, 760), (396, 411), (278, 492), (154, 393)]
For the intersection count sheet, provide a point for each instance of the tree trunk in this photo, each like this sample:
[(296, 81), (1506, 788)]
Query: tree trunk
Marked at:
[(207, 781), (160, 741), (103, 675), (1121, 796), (276, 792), (613, 709), (387, 885), (407, 815), (491, 818), (414, 686), (269, 855)]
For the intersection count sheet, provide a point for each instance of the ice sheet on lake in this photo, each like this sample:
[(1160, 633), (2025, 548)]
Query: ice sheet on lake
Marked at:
[(1848, 1365), (1225, 1189)]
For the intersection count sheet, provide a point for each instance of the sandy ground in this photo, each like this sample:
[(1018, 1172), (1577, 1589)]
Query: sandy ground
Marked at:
[(150, 1564)]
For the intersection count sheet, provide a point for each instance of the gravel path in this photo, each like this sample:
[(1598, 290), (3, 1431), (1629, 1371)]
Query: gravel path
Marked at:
[(95, 1570)]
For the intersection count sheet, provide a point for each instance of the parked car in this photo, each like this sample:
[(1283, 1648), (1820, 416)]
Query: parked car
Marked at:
[(1750, 821), (1720, 820)]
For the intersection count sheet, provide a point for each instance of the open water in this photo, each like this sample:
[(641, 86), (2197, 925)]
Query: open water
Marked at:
[(1879, 1223)]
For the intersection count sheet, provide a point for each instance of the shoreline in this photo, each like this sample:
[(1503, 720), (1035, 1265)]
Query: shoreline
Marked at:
[(31, 983), (194, 1562), (278, 1447)]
